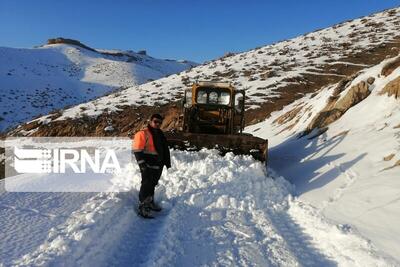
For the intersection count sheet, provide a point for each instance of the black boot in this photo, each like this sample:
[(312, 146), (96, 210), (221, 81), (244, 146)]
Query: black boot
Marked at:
[(153, 206), (144, 209)]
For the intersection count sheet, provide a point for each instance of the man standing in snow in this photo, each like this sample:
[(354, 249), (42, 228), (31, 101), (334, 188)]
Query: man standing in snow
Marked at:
[(152, 153)]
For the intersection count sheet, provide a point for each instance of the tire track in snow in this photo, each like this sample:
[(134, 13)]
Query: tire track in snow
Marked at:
[(296, 241), (139, 239), (291, 245)]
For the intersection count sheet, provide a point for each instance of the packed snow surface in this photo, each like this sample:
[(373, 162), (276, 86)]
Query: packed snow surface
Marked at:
[(216, 211)]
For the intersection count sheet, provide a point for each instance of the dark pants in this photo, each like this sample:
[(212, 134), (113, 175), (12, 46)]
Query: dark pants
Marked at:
[(150, 179)]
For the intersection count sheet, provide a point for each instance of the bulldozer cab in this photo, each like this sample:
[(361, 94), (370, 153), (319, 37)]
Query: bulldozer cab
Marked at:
[(213, 107), (213, 117)]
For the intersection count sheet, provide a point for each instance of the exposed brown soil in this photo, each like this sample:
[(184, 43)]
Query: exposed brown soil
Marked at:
[(389, 157), (124, 123), (390, 66), (337, 108), (392, 88)]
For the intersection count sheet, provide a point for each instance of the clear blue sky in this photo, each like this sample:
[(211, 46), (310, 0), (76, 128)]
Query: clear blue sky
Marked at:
[(194, 30)]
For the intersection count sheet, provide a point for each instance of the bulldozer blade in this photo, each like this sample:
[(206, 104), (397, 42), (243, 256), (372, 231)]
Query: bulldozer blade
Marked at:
[(239, 144)]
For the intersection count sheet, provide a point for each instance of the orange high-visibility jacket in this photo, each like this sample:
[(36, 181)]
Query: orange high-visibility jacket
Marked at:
[(143, 142), (145, 151)]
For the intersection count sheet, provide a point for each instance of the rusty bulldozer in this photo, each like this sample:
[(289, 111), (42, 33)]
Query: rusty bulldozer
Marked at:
[(213, 117)]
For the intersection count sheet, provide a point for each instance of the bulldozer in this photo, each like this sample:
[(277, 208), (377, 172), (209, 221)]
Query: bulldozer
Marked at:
[(212, 116)]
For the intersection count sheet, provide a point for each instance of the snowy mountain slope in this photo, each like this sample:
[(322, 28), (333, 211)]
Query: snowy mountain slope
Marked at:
[(217, 211), (350, 168), (39, 80), (274, 75)]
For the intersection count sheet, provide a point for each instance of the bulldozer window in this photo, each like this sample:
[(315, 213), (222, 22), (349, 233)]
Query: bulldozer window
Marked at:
[(202, 97), (224, 98), (188, 98), (239, 102), (210, 96), (213, 98)]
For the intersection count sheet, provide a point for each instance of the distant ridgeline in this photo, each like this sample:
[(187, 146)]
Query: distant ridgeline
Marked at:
[(61, 40)]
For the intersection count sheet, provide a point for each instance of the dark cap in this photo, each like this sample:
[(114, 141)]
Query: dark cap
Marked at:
[(156, 116)]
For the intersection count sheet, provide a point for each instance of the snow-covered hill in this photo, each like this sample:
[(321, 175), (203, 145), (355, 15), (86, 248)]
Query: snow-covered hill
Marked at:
[(274, 75), (348, 166), (39, 80)]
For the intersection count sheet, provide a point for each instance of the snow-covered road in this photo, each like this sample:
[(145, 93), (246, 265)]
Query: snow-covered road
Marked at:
[(218, 211)]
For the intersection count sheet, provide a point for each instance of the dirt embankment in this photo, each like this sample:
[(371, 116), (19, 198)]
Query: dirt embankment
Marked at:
[(390, 66), (392, 88), (121, 123), (337, 106)]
